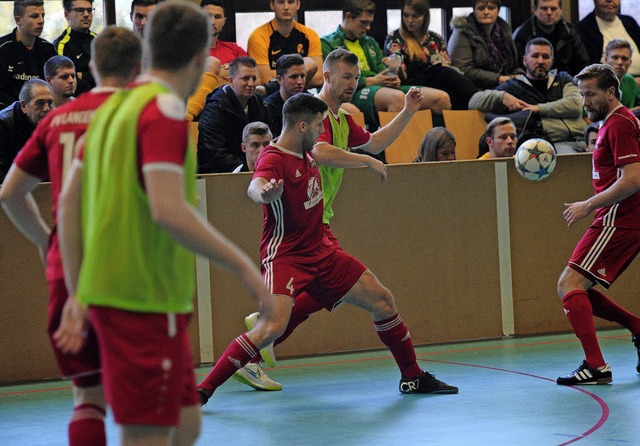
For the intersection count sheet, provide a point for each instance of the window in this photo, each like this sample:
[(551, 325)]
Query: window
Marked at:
[(323, 22), (246, 22)]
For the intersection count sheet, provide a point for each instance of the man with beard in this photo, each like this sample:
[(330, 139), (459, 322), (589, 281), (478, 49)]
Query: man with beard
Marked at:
[(60, 74), (550, 95), (613, 239)]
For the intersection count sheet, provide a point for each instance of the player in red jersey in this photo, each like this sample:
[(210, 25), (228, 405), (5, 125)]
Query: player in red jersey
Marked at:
[(298, 255), (613, 239), (116, 55)]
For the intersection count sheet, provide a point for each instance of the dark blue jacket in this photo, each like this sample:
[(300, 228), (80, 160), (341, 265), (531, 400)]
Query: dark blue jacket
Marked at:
[(591, 35)]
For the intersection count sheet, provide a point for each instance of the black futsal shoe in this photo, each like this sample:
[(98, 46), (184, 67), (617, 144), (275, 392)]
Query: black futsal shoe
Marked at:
[(427, 383), (585, 375), (636, 344)]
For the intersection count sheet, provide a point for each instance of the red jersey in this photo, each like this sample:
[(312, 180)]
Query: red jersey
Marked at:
[(293, 223), (227, 52), (357, 136), (618, 144), (49, 151)]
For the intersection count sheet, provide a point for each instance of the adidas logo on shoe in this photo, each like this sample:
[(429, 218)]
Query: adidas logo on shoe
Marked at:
[(585, 375)]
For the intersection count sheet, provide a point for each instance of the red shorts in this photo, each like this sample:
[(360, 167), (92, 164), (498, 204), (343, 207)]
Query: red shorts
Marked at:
[(83, 367), (603, 253), (327, 278), (146, 365)]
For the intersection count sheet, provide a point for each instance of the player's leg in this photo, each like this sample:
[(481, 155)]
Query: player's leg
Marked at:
[(87, 420), (368, 293), (434, 100), (271, 324), (188, 430), (388, 99), (139, 435)]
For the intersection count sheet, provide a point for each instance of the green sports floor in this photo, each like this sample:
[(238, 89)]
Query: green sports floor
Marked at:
[(508, 396)]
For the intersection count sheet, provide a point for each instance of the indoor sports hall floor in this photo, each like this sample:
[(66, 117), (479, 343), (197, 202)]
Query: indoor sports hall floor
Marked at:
[(508, 396)]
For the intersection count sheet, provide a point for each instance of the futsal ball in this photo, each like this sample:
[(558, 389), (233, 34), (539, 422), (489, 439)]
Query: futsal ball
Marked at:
[(535, 159)]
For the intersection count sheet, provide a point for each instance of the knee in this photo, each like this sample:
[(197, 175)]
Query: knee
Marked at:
[(438, 100), (385, 303), (271, 329), (569, 281)]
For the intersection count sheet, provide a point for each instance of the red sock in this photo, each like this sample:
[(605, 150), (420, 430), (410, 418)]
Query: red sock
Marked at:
[(578, 309), (395, 335), (239, 352), (87, 426), (304, 306), (605, 308)]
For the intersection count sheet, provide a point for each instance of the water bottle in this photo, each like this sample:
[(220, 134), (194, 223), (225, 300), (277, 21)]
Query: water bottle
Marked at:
[(393, 63)]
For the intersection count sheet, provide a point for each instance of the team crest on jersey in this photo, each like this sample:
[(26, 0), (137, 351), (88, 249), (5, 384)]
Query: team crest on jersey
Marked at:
[(314, 193)]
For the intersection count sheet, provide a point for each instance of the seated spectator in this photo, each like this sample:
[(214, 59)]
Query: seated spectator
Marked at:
[(379, 87), (22, 51), (438, 144), (60, 74), (551, 96), (604, 24), (140, 10), (290, 74), (481, 45), (255, 137), (425, 55), (501, 138), (18, 121), (570, 54), (75, 41), (284, 35), (226, 112), (590, 137), (619, 56)]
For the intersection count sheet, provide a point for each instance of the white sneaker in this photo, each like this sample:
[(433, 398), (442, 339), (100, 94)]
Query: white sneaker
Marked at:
[(254, 376), (267, 354)]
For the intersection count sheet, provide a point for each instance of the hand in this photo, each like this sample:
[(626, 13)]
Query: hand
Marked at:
[(576, 211), (512, 102), (413, 99), (504, 78), (384, 79), (72, 332), (379, 167), (272, 190), (534, 108)]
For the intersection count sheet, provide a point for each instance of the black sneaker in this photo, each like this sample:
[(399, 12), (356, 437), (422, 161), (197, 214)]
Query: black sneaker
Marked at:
[(636, 343), (203, 396), (585, 375), (427, 383)]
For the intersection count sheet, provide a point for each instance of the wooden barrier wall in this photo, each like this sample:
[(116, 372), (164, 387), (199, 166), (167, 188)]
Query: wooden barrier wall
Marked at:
[(469, 249)]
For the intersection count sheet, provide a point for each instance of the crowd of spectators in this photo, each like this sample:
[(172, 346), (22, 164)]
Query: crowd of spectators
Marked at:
[(525, 75)]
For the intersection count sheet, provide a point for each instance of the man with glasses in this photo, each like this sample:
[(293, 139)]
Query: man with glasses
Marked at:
[(22, 51), (75, 41), (18, 121)]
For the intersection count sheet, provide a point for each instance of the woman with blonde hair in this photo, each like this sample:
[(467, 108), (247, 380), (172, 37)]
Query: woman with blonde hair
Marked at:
[(438, 144)]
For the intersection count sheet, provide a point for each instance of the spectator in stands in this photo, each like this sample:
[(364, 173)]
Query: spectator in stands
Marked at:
[(619, 55), (22, 51), (255, 137), (482, 45), (501, 138), (284, 35), (546, 21), (551, 96), (438, 144), (379, 87), (590, 137), (425, 55), (18, 121), (140, 10), (604, 24), (75, 41), (60, 74), (290, 74), (227, 111)]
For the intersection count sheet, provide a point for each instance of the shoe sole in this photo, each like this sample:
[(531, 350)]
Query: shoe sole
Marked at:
[(436, 392), (240, 377), (599, 382), (264, 353)]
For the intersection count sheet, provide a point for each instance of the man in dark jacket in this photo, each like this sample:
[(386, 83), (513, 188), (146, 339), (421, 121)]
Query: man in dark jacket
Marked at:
[(604, 24), (18, 121), (75, 41), (226, 112), (546, 21), (22, 52)]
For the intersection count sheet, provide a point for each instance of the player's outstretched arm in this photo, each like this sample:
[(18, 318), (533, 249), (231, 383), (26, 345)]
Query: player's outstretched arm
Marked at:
[(21, 208), (170, 209), (381, 139), (263, 191), (333, 156), (627, 184)]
